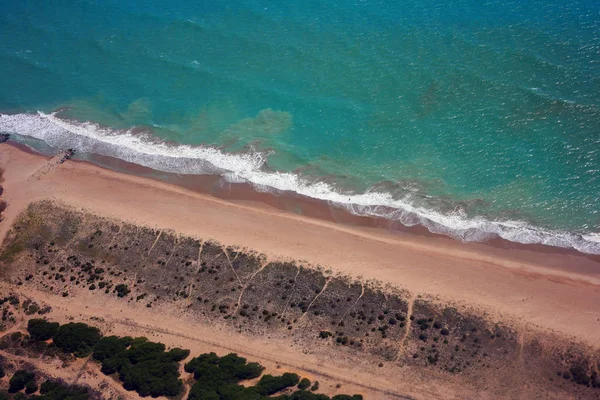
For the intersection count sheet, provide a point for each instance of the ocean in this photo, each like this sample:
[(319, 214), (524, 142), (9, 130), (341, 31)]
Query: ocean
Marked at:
[(475, 119)]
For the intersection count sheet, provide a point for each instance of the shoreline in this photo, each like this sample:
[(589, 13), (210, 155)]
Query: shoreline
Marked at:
[(294, 203), (553, 290), (288, 193)]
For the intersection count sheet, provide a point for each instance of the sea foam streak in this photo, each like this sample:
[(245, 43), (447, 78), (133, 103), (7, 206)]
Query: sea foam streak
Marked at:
[(249, 167)]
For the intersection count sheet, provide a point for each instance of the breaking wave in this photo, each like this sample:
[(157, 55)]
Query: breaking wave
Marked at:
[(146, 150)]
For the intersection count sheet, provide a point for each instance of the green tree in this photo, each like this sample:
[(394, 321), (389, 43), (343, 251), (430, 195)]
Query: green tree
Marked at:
[(304, 384), (77, 338), (178, 354), (55, 390), (40, 330), (143, 366), (31, 387), (269, 384), (109, 346), (19, 380)]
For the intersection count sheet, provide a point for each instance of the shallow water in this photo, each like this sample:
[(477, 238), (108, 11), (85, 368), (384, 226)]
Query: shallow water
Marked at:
[(476, 120)]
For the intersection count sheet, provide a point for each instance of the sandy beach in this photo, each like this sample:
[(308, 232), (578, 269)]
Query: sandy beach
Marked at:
[(559, 291)]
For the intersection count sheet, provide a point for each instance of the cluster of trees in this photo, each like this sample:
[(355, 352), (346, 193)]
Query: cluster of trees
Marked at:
[(217, 378), (49, 390), (147, 368), (142, 365), (579, 374), (55, 390), (42, 330), (22, 385), (77, 338), (22, 379)]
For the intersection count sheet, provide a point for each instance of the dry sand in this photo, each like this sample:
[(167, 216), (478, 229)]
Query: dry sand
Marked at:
[(553, 290)]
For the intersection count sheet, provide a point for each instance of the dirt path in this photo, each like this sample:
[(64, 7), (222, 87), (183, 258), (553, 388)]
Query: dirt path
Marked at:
[(408, 326)]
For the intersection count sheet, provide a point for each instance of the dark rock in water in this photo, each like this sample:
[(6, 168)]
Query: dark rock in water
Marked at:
[(4, 137)]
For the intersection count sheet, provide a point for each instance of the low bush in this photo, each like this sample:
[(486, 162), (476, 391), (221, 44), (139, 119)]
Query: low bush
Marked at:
[(122, 290), (580, 375)]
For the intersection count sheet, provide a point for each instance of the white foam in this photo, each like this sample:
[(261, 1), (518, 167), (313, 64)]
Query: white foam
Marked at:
[(248, 167)]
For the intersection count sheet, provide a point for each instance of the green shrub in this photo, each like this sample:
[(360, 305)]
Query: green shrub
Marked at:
[(325, 334), (19, 380), (55, 390), (77, 338), (178, 354), (304, 384), (109, 346), (269, 384), (11, 251), (315, 386), (302, 395), (217, 378), (122, 290), (41, 330), (2, 373), (580, 375), (31, 387)]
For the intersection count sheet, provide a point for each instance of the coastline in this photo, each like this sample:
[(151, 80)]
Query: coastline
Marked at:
[(553, 289), (191, 166)]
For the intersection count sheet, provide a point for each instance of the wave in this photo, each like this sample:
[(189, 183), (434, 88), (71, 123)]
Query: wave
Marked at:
[(147, 150)]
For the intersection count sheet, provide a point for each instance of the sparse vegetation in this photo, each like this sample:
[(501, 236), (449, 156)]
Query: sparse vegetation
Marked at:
[(279, 299)]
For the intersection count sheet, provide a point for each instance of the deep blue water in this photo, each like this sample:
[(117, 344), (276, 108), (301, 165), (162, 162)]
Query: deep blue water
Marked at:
[(476, 119)]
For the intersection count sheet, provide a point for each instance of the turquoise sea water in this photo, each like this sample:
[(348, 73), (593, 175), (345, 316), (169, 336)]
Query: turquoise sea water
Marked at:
[(476, 119)]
